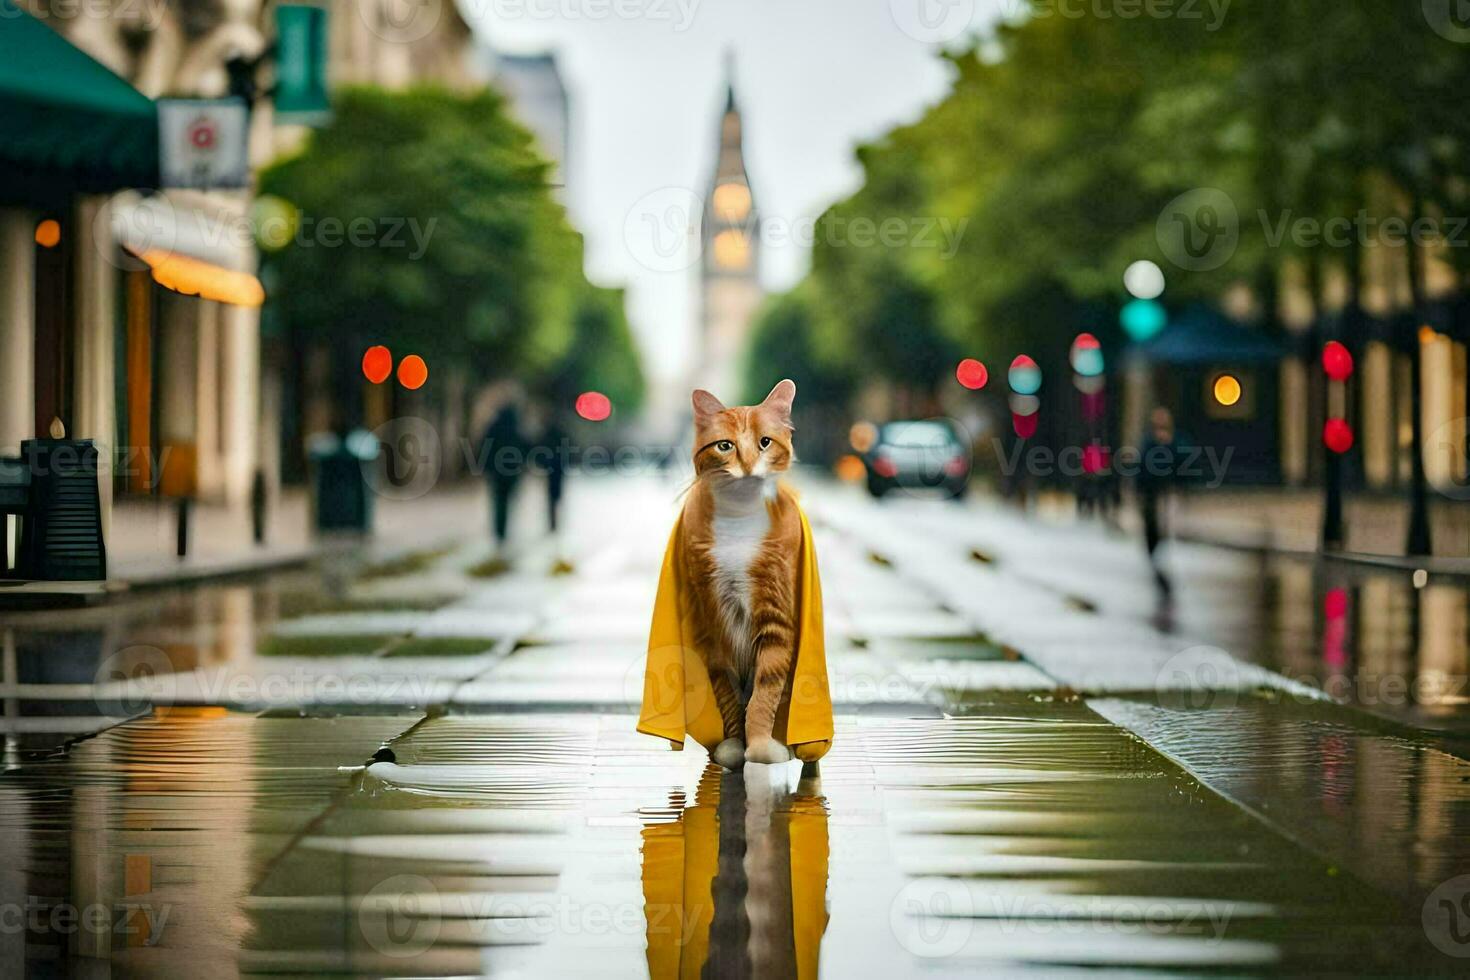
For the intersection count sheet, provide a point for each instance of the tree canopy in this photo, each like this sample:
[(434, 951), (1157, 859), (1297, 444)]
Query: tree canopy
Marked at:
[(422, 219)]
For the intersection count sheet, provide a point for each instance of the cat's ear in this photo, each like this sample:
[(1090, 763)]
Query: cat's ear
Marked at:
[(706, 404), (781, 397)]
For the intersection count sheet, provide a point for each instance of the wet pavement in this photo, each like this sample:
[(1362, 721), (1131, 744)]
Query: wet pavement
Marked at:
[(407, 769)]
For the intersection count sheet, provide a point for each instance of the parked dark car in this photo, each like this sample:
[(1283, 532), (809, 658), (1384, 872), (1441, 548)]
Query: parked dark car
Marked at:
[(918, 454)]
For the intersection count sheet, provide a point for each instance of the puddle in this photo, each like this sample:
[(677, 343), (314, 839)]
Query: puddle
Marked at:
[(1370, 638), (1395, 810), (1030, 836)]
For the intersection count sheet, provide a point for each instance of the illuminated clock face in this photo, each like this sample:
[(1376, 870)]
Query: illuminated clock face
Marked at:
[(732, 202), (732, 249)]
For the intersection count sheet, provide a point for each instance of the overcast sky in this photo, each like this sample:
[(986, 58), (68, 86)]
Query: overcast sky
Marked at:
[(814, 78)]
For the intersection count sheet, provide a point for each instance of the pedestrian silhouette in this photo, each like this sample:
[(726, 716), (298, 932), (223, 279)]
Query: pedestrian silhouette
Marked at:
[(1155, 477), (503, 449)]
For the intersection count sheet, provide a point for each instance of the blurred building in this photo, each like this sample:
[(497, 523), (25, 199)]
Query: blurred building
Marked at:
[(537, 97), (729, 270), (132, 316)]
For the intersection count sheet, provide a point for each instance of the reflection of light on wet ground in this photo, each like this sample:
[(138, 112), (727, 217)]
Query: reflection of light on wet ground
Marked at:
[(1030, 835)]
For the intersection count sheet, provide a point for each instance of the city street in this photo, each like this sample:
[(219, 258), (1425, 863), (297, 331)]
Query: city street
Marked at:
[(403, 767)]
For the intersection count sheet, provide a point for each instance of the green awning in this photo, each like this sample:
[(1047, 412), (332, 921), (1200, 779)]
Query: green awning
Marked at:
[(67, 123)]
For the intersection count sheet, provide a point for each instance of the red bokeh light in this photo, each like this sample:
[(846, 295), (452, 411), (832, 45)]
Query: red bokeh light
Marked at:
[(377, 364), (593, 406), (1025, 425), (412, 372), (972, 374), (1337, 361), (1335, 603), (1337, 435), (1095, 458)]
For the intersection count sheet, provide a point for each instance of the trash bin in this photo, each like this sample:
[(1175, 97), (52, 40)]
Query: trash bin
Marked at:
[(61, 529), (15, 501), (342, 494)]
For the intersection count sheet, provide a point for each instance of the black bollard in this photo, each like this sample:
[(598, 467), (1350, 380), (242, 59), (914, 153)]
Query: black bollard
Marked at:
[(257, 507), (182, 540)]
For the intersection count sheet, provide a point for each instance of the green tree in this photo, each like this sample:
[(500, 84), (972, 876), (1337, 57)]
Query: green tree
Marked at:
[(463, 253)]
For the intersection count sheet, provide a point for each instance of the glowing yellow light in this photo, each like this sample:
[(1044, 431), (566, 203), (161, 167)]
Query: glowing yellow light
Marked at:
[(850, 468), (1227, 389), (732, 249), (48, 233), (194, 277), (732, 202), (1427, 334)]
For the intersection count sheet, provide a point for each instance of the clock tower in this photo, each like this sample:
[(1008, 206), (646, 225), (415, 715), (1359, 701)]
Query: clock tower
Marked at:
[(729, 282)]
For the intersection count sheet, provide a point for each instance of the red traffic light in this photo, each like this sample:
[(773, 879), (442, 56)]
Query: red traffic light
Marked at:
[(412, 372), (1337, 435), (1337, 361), (593, 406), (972, 374), (377, 364), (1025, 425)]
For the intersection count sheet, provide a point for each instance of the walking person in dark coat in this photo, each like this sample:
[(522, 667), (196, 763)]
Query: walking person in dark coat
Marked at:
[(504, 450), (1156, 475)]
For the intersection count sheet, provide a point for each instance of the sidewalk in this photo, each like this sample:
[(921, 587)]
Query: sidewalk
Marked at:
[(141, 547), (1042, 799), (1290, 520)]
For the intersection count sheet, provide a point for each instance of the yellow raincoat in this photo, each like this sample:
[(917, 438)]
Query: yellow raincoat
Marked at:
[(677, 697)]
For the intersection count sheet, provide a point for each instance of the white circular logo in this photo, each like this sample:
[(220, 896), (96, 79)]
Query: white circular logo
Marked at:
[(1450, 19), (133, 680), (1451, 442), (1446, 917), (1198, 677), (666, 689), (400, 917), (400, 21), (933, 917), (932, 21), (407, 460), (1199, 229), (661, 229), (130, 224)]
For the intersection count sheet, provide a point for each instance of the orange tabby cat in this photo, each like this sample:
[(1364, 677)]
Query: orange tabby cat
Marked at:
[(744, 540)]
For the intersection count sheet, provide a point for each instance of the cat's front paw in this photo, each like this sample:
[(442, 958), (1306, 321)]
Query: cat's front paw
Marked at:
[(730, 753), (767, 751)]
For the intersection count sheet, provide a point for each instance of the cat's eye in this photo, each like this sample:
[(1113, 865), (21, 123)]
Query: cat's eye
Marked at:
[(724, 445), (765, 442)]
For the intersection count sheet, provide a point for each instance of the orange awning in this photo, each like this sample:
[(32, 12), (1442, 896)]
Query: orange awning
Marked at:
[(195, 277)]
